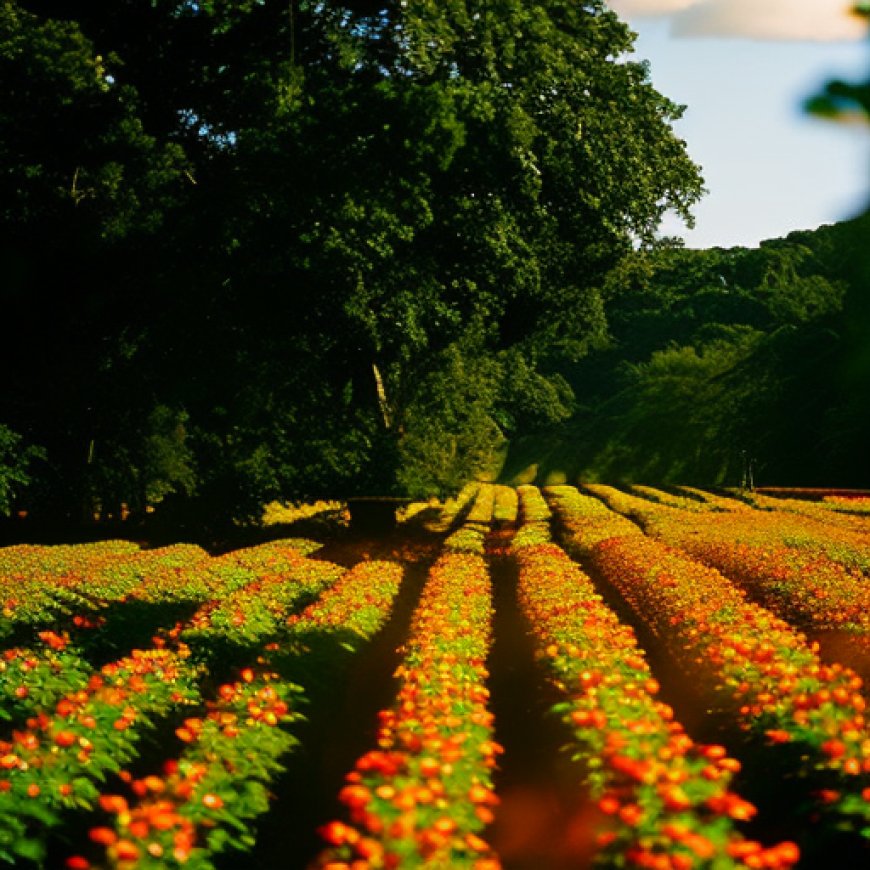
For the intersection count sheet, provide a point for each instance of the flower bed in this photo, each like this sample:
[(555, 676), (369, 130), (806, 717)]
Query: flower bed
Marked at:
[(204, 798), (36, 677), (683, 502), (221, 576), (668, 798), (254, 612), (535, 518), (471, 535), (203, 801), (763, 673), (825, 512), (424, 794), (715, 502), (358, 603), (33, 590), (794, 576), (504, 511), (53, 763), (854, 503), (167, 757), (584, 521)]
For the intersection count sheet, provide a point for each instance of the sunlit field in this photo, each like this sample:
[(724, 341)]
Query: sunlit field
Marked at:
[(525, 678)]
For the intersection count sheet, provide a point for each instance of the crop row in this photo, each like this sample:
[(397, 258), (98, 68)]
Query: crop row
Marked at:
[(40, 585), (72, 725), (761, 672), (254, 611), (858, 505), (422, 797), (470, 535), (668, 799), (203, 799), (764, 528), (821, 511), (424, 794), (803, 585), (686, 502), (271, 581), (52, 763), (714, 501)]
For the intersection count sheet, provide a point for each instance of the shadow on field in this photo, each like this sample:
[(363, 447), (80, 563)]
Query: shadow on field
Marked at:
[(129, 625), (788, 804), (793, 807), (344, 692), (546, 819)]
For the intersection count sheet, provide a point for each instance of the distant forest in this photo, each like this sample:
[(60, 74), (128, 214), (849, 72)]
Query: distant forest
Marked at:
[(723, 362), (260, 250)]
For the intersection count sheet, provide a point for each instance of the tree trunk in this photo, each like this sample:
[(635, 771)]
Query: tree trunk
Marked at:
[(383, 404)]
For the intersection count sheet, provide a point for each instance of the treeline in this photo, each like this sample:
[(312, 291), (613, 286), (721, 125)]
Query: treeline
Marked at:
[(726, 366)]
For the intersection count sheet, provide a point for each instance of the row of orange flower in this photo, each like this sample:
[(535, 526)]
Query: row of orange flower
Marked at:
[(668, 799), (33, 579), (52, 762), (422, 797), (205, 797), (255, 611), (39, 585), (760, 670), (268, 582), (686, 502), (857, 504), (470, 534), (829, 513), (813, 527), (802, 584)]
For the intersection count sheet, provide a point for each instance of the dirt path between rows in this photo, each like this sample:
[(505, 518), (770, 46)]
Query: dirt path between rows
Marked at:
[(341, 725), (546, 820)]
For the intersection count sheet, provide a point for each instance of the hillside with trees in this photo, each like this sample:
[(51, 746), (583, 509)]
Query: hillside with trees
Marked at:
[(724, 361)]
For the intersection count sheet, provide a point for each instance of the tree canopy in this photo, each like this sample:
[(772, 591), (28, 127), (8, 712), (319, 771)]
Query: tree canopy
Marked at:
[(258, 248)]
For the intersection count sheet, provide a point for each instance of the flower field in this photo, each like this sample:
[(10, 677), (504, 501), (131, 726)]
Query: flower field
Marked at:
[(695, 667)]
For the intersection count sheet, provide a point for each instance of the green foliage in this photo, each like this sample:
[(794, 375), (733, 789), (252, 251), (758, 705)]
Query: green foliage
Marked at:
[(449, 432), (167, 456), (529, 399), (15, 466), (720, 358), (109, 174), (842, 101), (142, 462), (307, 208)]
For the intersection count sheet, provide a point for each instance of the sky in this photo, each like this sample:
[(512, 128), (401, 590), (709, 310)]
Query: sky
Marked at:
[(743, 69)]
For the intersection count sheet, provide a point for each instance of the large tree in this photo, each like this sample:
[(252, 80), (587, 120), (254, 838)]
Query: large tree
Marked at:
[(456, 180), (373, 201)]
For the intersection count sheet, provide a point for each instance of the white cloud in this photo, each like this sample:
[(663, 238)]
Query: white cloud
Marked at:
[(809, 20), (648, 8)]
